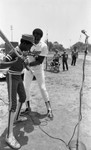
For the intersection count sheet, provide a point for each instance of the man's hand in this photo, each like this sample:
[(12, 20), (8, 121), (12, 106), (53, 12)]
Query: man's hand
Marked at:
[(34, 53), (26, 61), (26, 64)]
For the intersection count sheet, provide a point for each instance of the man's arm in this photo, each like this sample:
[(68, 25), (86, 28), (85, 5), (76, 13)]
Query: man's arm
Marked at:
[(39, 60)]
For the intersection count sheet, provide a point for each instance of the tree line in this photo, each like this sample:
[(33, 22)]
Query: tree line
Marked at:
[(55, 45), (80, 45)]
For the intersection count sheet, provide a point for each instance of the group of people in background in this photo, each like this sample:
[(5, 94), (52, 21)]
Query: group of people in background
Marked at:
[(64, 56), (32, 51)]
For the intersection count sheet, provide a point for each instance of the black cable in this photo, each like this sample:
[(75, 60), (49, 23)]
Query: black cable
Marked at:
[(73, 134), (52, 136), (46, 122)]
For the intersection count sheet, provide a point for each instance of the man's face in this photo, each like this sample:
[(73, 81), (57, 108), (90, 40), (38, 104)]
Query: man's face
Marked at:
[(37, 38)]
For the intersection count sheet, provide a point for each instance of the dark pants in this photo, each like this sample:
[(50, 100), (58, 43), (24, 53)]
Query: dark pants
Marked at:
[(73, 61), (15, 86), (65, 64)]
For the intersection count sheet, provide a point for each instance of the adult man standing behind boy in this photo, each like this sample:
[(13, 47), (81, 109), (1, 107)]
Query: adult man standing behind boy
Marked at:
[(39, 51)]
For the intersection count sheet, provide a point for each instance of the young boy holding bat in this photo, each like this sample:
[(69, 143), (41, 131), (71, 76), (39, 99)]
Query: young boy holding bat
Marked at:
[(15, 85)]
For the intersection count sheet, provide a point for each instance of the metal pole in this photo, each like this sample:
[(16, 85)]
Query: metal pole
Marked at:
[(47, 47), (11, 27), (46, 63), (81, 90)]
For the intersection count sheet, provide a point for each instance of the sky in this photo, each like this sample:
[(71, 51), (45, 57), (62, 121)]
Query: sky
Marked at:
[(60, 20)]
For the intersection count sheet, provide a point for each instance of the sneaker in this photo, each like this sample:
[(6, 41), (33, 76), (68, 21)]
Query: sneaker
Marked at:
[(50, 114), (26, 111), (12, 142)]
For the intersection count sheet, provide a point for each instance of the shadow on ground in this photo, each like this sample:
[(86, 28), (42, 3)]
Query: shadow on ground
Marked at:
[(20, 130)]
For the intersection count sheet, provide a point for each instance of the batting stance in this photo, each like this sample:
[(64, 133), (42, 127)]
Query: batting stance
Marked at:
[(15, 86), (35, 62)]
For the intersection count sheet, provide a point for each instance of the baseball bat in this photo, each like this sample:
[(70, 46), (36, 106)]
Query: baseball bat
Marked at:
[(7, 42)]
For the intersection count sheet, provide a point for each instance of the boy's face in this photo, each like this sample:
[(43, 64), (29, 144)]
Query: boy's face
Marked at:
[(25, 47)]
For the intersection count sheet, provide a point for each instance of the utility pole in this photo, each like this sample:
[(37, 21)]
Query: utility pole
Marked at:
[(11, 28), (47, 46), (47, 38), (70, 43)]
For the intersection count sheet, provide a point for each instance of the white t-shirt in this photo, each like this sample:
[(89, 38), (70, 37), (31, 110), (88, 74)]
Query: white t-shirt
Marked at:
[(42, 48)]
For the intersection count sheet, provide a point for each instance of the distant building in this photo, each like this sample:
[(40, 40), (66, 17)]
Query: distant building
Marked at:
[(7, 48)]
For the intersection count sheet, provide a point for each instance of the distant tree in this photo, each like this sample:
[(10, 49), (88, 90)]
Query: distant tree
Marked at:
[(81, 46), (53, 46), (61, 48), (50, 45), (58, 46)]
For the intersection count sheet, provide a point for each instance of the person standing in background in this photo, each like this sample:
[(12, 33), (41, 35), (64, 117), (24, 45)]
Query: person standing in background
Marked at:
[(74, 55), (64, 60)]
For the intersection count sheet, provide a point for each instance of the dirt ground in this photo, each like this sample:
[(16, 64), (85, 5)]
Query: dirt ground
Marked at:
[(63, 89)]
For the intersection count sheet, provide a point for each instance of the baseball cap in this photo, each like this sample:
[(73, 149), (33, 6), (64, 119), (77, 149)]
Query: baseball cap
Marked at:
[(28, 38)]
